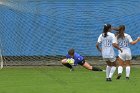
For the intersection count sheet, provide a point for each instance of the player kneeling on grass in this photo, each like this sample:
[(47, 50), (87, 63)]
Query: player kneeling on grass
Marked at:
[(73, 58)]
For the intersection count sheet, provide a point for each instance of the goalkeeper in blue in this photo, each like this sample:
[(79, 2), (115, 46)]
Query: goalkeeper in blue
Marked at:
[(73, 58)]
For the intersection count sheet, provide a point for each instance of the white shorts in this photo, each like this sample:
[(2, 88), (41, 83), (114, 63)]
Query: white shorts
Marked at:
[(109, 59), (125, 55)]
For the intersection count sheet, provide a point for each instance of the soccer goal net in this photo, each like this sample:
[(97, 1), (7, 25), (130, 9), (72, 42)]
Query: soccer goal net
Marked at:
[(39, 32)]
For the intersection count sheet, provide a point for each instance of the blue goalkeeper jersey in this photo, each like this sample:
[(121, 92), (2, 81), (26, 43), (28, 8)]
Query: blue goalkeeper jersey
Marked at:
[(77, 58)]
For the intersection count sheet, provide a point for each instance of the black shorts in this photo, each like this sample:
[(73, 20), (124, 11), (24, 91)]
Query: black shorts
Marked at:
[(82, 62)]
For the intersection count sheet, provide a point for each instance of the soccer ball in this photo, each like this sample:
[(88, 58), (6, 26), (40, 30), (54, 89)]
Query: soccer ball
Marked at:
[(70, 60)]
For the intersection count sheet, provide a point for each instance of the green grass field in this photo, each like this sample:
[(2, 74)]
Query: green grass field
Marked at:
[(61, 80)]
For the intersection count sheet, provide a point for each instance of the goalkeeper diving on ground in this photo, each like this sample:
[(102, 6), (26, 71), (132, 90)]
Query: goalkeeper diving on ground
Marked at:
[(73, 58)]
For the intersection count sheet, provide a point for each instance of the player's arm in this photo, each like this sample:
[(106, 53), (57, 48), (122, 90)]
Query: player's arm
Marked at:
[(115, 28), (115, 43), (98, 43), (117, 47), (135, 41), (98, 47)]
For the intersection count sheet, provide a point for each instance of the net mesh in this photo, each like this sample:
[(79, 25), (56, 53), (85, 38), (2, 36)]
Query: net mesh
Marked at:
[(44, 30)]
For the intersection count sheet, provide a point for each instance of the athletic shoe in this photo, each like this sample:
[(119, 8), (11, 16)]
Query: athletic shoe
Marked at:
[(119, 76), (127, 78), (72, 69), (108, 79)]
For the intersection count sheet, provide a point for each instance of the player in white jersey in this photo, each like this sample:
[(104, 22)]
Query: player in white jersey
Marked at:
[(124, 40), (108, 41)]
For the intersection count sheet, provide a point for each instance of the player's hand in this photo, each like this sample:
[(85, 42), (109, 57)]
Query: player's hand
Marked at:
[(138, 38), (121, 50), (115, 28)]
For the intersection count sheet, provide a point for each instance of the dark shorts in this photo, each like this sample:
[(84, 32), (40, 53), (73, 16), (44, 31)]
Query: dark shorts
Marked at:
[(82, 62)]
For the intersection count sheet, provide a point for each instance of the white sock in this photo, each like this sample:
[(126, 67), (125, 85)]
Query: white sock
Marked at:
[(127, 71), (113, 68), (108, 68), (120, 69)]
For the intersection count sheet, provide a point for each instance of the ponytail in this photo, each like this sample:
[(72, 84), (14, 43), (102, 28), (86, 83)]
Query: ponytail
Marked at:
[(121, 32), (106, 29)]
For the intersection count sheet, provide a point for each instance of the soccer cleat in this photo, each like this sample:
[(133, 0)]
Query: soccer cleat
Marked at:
[(96, 69), (119, 76), (127, 78), (108, 79), (72, 69)]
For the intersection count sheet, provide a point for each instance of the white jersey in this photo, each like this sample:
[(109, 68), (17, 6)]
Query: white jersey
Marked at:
[(107, 47), (124, 45)]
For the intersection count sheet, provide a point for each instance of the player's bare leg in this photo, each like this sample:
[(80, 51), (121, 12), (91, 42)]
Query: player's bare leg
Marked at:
[(127, 69), (120, 68), (113, 68), (89, 67), (108, 68)]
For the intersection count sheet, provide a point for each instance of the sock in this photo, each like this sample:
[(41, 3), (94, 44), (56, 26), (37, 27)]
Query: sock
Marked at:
[(96, 69), (127, 71), (120, 69), (108, 68), (68, 65), (113, 68)]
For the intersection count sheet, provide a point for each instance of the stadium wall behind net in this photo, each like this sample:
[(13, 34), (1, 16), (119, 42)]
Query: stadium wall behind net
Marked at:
[(42, 31)]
